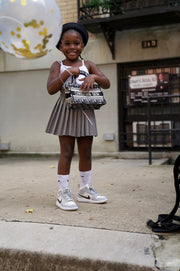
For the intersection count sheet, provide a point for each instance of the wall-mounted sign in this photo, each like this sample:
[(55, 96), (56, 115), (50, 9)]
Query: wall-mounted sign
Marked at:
[(143, 81), (142, 86), (149, 43)]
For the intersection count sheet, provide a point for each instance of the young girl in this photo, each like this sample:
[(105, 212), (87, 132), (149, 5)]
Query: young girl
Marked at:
[(70, 124)]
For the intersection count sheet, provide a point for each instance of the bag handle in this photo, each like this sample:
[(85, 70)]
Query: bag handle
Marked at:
[(82, 73)]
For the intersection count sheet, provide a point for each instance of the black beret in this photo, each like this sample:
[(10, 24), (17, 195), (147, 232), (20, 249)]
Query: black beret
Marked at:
[(75, 26)]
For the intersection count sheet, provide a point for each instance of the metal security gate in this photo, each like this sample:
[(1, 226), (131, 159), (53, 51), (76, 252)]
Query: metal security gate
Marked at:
[(136, 83)]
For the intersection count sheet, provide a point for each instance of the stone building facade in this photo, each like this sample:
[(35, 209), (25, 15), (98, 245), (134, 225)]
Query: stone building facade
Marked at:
[(25, 105)]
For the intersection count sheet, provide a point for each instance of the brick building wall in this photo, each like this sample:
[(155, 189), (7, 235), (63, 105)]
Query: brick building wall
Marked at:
[(68, 10), (69, 13)]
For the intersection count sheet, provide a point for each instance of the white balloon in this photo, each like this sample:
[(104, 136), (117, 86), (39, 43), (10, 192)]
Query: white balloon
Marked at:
[(29, 28)]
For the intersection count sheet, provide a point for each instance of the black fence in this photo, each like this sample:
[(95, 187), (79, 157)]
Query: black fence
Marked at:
[(165, 133), (90, 9)]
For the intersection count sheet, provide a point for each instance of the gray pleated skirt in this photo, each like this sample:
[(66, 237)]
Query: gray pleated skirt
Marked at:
[(71, 122)]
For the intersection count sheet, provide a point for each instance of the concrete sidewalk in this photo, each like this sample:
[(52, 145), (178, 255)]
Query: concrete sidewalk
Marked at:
[(111, 236)]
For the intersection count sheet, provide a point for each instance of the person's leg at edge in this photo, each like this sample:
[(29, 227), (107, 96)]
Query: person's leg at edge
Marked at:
[(64, 200)]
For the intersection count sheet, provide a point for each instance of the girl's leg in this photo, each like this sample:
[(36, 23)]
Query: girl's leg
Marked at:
[(86, 191), (85, 163), (64, 199), (67, 150), (84, 149)]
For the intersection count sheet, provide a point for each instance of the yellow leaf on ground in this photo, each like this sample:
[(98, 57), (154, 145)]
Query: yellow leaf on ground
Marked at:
[(51, 166), (30, 211)]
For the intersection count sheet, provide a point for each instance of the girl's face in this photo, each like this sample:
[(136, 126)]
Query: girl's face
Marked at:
[(71, 44)]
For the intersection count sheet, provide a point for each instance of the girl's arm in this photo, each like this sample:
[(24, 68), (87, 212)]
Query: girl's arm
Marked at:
[(95, 76), (55, 79)]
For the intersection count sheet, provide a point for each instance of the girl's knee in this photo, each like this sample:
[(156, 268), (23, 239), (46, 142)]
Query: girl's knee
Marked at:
[(66, 156), (85, 154)]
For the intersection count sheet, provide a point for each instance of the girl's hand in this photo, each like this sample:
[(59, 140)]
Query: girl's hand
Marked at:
[(99, 77), (88, 82), (74, 70)]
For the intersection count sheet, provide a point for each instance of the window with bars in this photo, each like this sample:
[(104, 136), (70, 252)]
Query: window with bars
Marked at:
[(138, 82)]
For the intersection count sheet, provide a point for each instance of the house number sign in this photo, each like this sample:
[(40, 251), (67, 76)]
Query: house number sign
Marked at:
[(149, 43)]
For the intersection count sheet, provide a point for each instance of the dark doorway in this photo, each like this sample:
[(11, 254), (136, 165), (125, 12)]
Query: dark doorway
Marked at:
[(136, 81)]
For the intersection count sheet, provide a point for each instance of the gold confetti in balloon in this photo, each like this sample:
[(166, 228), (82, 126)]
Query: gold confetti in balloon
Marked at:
[(29, 28)]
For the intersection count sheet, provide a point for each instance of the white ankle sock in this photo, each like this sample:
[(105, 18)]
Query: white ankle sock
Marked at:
[(63, 181), (85, 177)]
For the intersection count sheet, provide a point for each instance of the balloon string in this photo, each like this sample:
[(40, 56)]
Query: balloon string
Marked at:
[(51, 55)]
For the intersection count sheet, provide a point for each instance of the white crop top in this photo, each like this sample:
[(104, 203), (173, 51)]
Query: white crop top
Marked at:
[(82, 68)]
